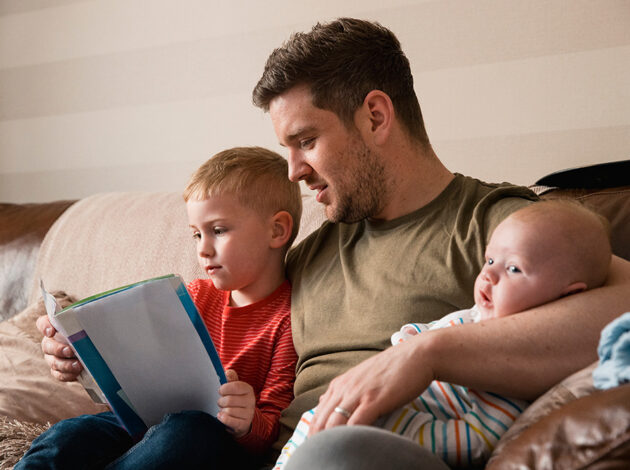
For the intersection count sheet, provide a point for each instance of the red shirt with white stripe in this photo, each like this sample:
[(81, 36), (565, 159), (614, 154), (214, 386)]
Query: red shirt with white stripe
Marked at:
[(255, 341)]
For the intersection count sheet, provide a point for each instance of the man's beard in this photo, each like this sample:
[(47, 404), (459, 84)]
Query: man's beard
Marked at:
[(362, 194)]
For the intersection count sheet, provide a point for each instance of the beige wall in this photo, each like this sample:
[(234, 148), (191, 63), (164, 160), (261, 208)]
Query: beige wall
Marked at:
[(104, 95)]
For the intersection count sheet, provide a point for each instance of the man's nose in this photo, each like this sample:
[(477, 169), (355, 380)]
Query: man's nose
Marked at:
[(298, 168)]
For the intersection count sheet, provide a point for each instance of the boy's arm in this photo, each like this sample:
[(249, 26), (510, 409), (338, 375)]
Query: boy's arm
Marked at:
[(521, 355), (275, 395)]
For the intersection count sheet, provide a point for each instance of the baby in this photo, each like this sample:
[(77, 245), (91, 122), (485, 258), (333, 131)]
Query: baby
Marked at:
[(538, 254)]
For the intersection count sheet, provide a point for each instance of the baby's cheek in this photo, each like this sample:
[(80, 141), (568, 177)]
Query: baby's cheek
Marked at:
[(508, 304)]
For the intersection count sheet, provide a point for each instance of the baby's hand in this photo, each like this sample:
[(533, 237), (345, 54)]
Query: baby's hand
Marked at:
[(406, 332), (237, 404)]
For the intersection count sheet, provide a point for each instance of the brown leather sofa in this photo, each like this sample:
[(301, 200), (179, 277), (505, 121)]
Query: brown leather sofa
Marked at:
[(108, 240)]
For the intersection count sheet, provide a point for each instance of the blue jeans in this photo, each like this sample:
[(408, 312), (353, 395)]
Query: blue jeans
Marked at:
[(189, 439)]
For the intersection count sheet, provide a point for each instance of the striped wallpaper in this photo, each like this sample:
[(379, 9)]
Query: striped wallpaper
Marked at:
[(106, 95)]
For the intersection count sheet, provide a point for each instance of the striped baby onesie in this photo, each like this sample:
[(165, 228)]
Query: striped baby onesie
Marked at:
[(460, 425)]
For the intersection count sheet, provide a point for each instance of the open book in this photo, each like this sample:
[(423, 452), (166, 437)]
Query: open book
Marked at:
[(145, 350)]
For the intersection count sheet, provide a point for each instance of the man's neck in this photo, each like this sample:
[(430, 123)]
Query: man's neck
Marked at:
[(417, 177)]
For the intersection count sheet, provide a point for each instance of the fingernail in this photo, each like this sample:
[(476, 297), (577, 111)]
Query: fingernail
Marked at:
[(67, 351), (48, 332), (75, 365)]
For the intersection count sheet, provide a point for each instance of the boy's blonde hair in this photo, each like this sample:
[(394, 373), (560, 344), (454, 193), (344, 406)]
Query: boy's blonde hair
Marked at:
[(257, 177), (584, 236)]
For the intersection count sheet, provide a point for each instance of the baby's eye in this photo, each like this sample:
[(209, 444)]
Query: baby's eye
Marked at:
[(490, 261), (513, 269)]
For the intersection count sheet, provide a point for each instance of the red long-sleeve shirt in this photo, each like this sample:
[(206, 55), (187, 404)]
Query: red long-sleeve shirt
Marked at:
[(256, 342)]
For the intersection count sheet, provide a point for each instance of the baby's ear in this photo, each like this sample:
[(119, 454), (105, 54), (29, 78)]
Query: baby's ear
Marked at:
[(281, 228), (574, 288)]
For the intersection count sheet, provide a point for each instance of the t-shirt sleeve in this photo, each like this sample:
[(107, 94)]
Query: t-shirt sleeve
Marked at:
[(501, 209)]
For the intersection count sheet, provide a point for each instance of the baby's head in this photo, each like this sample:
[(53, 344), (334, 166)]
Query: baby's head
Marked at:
[(540, 253), (244, 213)]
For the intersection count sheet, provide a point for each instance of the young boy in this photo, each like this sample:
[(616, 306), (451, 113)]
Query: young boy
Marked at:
[(540, 253), (244, 214)]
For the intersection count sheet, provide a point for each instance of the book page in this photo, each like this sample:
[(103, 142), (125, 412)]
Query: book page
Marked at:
[(148, 341)]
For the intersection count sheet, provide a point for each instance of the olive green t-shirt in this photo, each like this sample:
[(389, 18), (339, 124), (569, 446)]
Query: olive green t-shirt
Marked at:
[(355, 284)]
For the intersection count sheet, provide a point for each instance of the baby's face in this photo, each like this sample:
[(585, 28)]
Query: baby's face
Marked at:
[(521, 271)]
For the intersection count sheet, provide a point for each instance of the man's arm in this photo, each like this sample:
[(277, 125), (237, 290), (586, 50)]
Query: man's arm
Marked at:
[(520, 356)]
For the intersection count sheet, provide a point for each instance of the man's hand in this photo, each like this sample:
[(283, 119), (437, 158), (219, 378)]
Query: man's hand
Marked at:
[(64, 365), (372, 388), (237, 404)]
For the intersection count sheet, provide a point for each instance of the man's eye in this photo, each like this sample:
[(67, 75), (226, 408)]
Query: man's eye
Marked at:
[(513, 269), (490, 261), (306, 143)]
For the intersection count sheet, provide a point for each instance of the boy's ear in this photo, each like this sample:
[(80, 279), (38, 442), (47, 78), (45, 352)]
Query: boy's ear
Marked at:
[(376, 116), (281, 228), (574, 288)]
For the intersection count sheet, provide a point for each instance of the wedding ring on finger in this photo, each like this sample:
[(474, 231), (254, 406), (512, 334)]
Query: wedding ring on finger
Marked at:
[(343, 412)]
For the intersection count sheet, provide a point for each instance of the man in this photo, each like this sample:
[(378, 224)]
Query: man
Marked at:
[(405, 239)]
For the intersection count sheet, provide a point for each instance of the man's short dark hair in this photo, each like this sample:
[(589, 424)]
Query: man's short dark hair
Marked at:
[(342, 62)]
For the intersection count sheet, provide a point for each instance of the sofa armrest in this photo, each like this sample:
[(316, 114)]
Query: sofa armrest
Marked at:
[(591, 432), (22, 229)]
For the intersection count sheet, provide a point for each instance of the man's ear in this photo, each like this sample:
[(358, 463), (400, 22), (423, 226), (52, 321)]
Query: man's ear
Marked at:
[(376, 115), (574, 288), (281, 228)]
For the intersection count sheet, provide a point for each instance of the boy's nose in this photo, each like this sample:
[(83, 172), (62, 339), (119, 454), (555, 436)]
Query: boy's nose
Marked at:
[(206, 249)]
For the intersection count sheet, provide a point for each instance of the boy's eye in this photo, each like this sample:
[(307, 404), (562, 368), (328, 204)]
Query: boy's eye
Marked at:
[(490, 261), (513, 269)]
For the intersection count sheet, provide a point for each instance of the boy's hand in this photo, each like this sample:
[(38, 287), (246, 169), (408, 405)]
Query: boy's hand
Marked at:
[(64, 365), (237, 404)]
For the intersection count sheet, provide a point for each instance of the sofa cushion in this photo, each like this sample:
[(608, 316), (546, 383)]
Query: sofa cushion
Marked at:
[(113, 239), (577, 385), (591, 432), (29, 392)]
